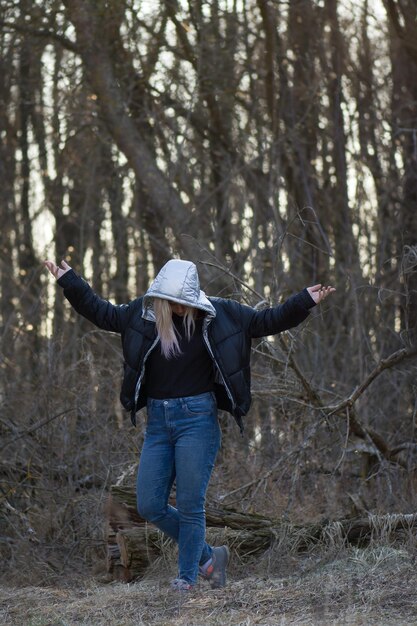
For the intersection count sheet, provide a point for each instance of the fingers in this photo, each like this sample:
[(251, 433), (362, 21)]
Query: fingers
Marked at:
[(52, 267), (319, 292), (323, 292), (57, 270)]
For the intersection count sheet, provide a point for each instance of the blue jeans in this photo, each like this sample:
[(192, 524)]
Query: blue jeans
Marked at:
[(181, 443)]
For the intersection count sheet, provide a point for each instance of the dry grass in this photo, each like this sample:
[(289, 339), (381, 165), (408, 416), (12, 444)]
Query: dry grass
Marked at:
[(375, 585)]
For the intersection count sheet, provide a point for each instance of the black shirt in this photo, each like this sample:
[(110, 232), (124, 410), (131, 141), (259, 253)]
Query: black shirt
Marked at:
[(188, 374)]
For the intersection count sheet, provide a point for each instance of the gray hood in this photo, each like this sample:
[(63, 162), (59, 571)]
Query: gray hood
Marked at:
[(177, 281)]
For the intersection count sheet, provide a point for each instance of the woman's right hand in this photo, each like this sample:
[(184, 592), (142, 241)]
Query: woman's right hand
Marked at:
[(57, 270)]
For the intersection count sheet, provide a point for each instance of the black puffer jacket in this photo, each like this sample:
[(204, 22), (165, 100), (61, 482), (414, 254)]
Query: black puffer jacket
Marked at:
[(228, 338)]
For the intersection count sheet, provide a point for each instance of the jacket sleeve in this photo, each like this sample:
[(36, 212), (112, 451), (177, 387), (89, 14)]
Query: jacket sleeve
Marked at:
[(82, 298), (274, 320)]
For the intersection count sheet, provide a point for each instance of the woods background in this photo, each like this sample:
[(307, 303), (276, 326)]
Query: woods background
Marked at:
[(274, 144)]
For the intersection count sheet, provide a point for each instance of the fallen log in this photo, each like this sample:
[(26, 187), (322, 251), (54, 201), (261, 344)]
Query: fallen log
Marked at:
[(121, 510), (140, 547), (133, 544)]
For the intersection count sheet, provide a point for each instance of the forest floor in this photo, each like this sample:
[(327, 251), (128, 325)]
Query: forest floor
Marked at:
[(372, 586)]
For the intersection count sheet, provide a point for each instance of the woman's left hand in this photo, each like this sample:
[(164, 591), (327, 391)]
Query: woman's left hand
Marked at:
[(57, 270), (319, 292)]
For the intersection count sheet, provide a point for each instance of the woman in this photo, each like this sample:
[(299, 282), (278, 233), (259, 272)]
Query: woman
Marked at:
[(185, 355)]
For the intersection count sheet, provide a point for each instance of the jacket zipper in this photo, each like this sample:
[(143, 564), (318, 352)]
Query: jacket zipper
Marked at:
[(207, 342), (142, 373)]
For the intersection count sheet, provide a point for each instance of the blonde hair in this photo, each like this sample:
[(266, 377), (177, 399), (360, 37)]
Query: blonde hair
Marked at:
[(167, 333)]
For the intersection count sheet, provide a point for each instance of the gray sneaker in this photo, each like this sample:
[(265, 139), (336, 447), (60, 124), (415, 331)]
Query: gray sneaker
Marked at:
[(179, 584), (216, 571)]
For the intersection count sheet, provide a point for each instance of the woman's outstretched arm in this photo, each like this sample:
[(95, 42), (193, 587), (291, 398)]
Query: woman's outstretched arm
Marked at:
[(293, 311), (78, 292)]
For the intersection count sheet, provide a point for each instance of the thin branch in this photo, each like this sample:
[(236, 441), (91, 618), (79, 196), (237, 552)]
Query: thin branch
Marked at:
[(36, 426), (43, 33), (340, 461), (311, 392), (226, 270), (394, 359)]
